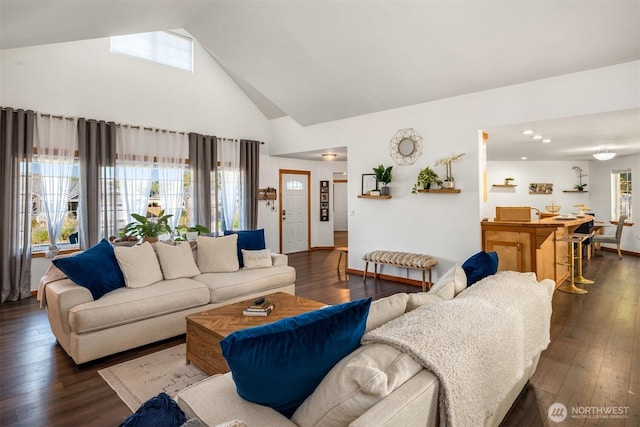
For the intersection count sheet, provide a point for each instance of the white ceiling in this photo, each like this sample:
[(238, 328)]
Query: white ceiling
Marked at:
[(318, 61)]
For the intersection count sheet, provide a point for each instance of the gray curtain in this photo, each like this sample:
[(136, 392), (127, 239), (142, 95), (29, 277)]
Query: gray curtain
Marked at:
[(249, 180), (97, 205), (16, 138), (203, 161)]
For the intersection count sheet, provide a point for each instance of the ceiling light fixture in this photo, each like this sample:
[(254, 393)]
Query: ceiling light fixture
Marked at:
[(546, 141), (527, 132), (604, 154), (329, 156), (537, 137)]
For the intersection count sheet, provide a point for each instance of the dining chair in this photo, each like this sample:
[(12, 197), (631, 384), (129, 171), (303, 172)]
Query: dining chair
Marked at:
[(612, 239)]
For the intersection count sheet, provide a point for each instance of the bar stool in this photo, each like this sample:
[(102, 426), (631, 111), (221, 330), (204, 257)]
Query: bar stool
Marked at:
[(575, 244)]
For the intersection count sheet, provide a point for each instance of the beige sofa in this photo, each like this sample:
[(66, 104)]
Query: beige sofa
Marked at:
[(129, 317), (381, 385)]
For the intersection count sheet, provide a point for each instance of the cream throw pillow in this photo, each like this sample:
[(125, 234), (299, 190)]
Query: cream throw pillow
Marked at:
[(256, 259), (176, 261), (139, 265), (386, 309), (419, 299), (455, 275), (218, 254), (356, 383)]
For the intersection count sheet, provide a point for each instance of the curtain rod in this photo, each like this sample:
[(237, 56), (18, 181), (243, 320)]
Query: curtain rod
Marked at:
[(60, 117)]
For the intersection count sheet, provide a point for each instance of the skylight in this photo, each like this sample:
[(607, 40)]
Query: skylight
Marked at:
[(163, 47)]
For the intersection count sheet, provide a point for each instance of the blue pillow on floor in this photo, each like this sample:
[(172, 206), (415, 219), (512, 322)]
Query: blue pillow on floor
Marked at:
[(96, 269), (479, 266), (250, 240), (280, 364)]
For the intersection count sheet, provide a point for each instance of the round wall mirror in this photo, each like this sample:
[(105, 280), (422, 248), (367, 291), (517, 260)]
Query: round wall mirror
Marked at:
[(406, 146)]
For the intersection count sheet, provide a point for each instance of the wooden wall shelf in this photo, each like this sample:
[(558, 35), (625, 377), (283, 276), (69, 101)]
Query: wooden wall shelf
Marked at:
[(504, 185), (440, 190), (364, 196), (574, 191)]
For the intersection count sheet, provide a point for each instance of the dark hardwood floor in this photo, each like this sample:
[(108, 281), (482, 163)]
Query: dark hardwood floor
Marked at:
[(593, 360)]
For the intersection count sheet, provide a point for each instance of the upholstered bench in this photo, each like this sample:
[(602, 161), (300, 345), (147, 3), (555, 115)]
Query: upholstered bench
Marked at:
[(400, 259)]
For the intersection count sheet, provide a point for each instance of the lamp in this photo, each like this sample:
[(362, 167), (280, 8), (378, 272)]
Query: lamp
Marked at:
[(329, 156), (604, 154)]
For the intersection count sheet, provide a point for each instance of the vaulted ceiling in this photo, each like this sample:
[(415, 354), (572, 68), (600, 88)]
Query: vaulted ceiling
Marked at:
[(318, 61)]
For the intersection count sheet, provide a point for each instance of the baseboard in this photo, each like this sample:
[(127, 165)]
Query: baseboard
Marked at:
[(322, 248), (403, 280), (624, 252)]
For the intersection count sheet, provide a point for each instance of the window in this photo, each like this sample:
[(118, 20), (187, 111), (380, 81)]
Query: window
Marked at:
[(39, 234), (163, 47), (621, 194), (295, 184)]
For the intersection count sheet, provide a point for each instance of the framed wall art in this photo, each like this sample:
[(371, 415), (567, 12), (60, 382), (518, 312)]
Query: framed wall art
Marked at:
[(540, 188), (324, 200)]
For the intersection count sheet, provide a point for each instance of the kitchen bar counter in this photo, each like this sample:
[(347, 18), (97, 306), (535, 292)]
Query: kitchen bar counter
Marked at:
[(532, 245)]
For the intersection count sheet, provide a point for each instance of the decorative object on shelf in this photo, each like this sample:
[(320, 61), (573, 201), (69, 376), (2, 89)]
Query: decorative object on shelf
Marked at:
[(540, 188), (449, 181), (508, 181), (148, 228), (383, 175), (582, 208), (406, 146), (324, 200), (604, 154), (579, 186), (369, 183), (553, 208), (426, 177)]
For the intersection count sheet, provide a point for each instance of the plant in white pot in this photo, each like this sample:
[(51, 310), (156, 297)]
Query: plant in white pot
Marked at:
[(191, 233), (383, 175), (148, 229), (449, 181)]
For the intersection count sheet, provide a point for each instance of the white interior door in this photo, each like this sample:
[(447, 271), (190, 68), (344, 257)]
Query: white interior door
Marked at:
[(340, 206), (294, 215)]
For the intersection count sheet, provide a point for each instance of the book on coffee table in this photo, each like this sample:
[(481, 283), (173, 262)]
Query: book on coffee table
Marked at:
[(258, 312)]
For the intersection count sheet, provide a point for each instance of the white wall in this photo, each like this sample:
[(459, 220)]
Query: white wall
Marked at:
[(447, 225), (559, 173)]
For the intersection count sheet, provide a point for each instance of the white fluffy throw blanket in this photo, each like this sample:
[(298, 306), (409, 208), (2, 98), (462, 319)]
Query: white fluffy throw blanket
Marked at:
[(478, 344)]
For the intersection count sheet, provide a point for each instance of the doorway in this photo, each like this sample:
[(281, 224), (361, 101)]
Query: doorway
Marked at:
[(295, 220)]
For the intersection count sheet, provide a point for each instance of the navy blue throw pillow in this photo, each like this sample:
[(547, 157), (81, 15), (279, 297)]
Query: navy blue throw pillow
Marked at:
[(159, 411), (96, 269), (250, 240), (479, 266), (280, 364)]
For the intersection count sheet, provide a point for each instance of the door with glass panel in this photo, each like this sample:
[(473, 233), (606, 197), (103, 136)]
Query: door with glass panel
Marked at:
[(294, 211)]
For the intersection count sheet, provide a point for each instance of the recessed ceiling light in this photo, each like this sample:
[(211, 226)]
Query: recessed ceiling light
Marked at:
[(329, 156), (527, 132), (537, 137), (523, 158), (546, 141)]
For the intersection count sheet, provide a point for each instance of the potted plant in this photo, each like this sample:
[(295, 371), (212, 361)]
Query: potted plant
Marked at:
[(383, 175), (580, 187), (508, 181), (191, 233), (449, 182), (426, 177), (148, 228)]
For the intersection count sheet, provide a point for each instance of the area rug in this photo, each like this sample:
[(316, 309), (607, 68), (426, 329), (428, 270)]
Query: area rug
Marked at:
[(138, 380)]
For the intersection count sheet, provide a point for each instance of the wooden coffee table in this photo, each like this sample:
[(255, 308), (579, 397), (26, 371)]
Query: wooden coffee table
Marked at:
[(206, 329)]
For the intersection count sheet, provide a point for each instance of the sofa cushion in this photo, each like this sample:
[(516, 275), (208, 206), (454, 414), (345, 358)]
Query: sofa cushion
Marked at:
[(139, 265), (176, 261), (95, 269), (217, 254), (355, 384), (445, 291), (248, 239), (256, 259), (384, 309), (480, 265), (419, 299), (226, 286), (127, 305), (456, 275), (280, 364)]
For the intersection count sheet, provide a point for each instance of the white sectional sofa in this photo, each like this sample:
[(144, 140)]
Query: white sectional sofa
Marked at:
[(131, 316), (387, 382)]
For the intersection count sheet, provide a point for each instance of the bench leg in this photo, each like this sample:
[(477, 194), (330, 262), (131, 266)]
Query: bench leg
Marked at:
[(430, 281), (366, 267), (375, 270), (424, 283)]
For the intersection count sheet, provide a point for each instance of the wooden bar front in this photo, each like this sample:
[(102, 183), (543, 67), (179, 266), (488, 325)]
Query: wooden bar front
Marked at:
[(531, 245)]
